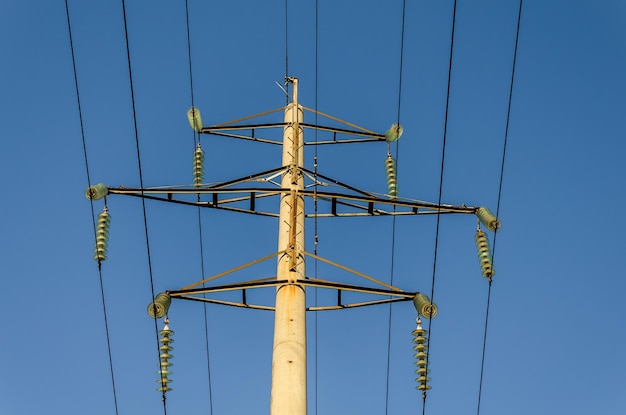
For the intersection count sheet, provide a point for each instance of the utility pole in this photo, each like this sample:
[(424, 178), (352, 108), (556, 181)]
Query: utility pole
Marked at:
[(240, 195), (289, 354)]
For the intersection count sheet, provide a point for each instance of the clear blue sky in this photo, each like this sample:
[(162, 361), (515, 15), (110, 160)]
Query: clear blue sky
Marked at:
[(556, 338)]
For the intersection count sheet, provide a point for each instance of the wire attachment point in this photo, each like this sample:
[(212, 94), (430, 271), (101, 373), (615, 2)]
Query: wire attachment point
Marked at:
[(195, 120), (424, 306), (394, 133)]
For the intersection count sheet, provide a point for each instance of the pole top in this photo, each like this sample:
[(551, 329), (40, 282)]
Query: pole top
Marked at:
[(294, 81)]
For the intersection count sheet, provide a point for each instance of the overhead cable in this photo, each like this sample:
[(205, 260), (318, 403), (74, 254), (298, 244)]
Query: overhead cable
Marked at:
[(82, 132), (143, 201), (443, 158), (201, 244), (506, 139), (393, 193)]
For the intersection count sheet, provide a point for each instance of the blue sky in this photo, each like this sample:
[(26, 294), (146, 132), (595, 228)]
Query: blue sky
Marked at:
[(555, 341)]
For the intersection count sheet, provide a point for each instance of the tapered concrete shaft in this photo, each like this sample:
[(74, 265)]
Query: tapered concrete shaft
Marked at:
[(289, 354)]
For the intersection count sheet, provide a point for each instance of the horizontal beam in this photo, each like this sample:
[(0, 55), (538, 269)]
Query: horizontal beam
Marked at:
[(306, 282), (228, 131), (395, 295), (312, 308), (353, 204)]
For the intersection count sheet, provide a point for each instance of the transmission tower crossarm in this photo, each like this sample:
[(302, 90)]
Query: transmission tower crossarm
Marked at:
[(389, 296), (229, 132), (309, 282), (356, 203), (229, 129)]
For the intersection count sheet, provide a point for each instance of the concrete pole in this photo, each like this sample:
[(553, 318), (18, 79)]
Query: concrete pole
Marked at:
[(289, 354)]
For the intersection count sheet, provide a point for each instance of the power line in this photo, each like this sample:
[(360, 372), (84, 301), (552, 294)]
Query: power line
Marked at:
[(443, 157), (82, 132), (508, 114), (195, 143), (482, 362), (190, 67), (206, 318), (506, 139), (401, 59), (143, 202), (393, 221)]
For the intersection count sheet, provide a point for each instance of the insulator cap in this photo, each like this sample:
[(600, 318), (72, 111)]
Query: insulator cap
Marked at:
[(195, 121), (424, 306), (166, 333), (96, 192), (166, 347), (421, 362), (159, 307), (419, 339), (488, 219), (418, 332), (394, 133), (420, 347)]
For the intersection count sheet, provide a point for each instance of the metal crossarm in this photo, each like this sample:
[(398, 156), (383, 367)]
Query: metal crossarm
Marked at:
[(233, 129), (337, 133), (393, 295), (352, 202)]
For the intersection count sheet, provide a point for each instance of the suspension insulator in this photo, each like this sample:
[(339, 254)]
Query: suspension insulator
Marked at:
[(424, 306), (484, 254), (102, 235), (198, 166), (392, 178), (96, 192), (421, 356), (195, 121), (394, 133), (488, 219), (164, 355), (159, 307)]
